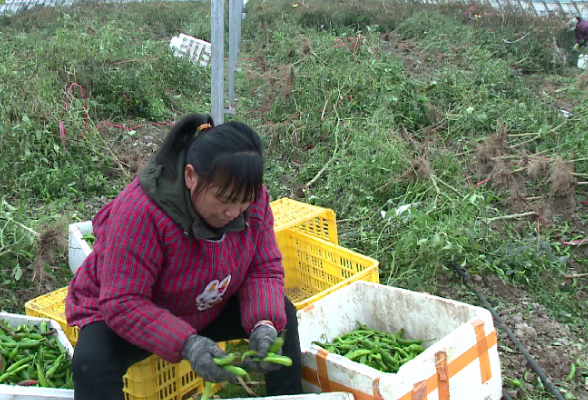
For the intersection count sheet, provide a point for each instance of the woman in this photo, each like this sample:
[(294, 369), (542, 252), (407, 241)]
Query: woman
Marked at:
[(184, 257)]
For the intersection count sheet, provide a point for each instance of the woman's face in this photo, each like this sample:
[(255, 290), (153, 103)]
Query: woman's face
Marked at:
[(215, 210)]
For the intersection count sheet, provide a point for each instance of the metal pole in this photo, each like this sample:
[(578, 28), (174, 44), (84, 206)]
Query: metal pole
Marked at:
[(534, 9), (563, 12), (577, 9), (547, 9), (217, 61), (235, 11)]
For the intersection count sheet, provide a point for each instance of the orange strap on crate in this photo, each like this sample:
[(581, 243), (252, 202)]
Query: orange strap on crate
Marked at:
[(442, 375), (482, 346), (420, 391), (376, 387), (323, 373)]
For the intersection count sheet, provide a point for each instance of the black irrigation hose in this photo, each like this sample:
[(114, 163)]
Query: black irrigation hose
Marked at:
[(532, 363), (505, 395)]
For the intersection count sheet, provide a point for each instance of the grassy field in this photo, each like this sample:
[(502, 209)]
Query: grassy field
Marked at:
[(363, 107)]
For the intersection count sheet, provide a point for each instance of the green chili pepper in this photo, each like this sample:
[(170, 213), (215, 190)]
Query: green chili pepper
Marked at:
[(276, 345), (207, 391), (62, 349), (69, 384), (416, 348), (57, 382), (13, 353), (50, 332), (221, 362), (390, 361), (24, 374), (369, 345), (247, 354), (18, 364), (236, 370), (390, 340), (34, 336), (572, 372), (41, 376), (357, 353), (408, 342), (23, 344), (381, 364), (32, 371), (14, 372), (6, 340), (282, 360), (51, 371)]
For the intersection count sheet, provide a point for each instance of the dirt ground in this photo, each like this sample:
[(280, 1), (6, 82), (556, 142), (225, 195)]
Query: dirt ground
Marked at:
[(133, 149), (553, 345)]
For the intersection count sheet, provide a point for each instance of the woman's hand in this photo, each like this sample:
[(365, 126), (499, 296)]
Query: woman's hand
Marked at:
[(200, 351), (260, 341)]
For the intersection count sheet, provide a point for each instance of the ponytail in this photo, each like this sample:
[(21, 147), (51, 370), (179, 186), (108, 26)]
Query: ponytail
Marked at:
[(180, 138)]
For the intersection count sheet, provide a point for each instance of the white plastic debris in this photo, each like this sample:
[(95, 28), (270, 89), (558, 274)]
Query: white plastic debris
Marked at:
[(582, 61), (194, 49), (400, 214)]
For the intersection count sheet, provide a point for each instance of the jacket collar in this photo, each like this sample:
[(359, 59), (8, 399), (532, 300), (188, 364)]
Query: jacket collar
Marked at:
[(173, 197)]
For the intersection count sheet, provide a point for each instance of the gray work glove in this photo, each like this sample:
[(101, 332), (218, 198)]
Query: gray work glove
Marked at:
[(260, 341), (200, 351)]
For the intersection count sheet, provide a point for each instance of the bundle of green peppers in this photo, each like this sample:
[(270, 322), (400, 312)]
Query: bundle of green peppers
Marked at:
[(33, 356), (89, 238), (383, 351), (233, 361)]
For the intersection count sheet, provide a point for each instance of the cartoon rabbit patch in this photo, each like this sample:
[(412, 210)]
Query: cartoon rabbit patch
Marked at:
[(213, 294)]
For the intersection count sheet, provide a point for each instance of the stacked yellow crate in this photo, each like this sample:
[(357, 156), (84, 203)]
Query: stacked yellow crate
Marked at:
[(315, 264)]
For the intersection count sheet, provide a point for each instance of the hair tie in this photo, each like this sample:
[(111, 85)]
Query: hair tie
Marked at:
[(204, 127)]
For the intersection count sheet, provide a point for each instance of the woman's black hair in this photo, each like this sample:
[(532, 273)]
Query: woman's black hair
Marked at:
[(228, 157)]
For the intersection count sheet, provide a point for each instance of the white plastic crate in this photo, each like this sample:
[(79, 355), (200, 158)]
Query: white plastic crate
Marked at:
[(311, 396), (10, 392), (461, 363), (194, 49), (78, 247)]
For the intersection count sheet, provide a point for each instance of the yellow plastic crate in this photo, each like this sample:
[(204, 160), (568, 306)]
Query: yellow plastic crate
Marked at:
[(313, 220), (150, 379), (315, 267), (156, 379), (52, 305)]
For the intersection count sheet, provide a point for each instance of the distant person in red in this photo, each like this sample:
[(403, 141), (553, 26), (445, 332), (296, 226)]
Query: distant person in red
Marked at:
[(580, 32), (184, 257)]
